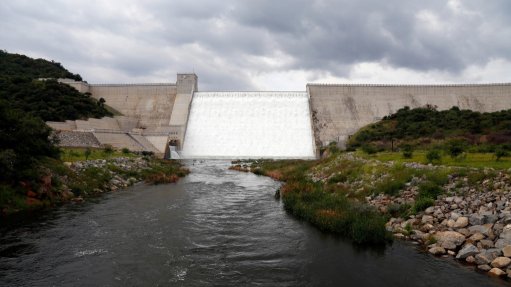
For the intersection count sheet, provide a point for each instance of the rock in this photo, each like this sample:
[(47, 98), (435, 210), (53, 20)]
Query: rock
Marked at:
[(485, 229), (485, 257), (476, 237), (476, 219), (450, 223), (509, 273), (470, 259), (449, 239), (501, 243), (461, 222), (455, 216), (500, 262), (451, 253), (486, 244), (507, 251), (427, 219), (467, 250), (437, 250), (484, 267), (429, 210), (496, 272)]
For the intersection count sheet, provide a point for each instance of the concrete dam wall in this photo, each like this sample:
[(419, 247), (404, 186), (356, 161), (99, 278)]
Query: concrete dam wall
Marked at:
[(340, 110), (165, 118)]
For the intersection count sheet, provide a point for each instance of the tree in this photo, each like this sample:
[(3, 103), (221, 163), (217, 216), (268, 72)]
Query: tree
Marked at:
[(500, 153)]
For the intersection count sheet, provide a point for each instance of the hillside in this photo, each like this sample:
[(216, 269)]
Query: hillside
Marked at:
[(426, 127), (49, 100)]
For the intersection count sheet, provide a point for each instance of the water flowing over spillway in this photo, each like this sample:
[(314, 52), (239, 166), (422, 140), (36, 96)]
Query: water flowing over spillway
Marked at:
[(249, 125)]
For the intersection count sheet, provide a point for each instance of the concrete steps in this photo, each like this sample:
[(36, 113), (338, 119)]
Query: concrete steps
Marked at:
[(145, 143), (119, 140)]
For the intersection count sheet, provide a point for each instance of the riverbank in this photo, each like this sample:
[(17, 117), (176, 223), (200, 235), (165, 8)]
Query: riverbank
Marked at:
[(61, 182), (458, 212)]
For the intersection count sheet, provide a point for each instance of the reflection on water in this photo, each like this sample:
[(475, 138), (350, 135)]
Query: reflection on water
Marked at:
[(215, 227)]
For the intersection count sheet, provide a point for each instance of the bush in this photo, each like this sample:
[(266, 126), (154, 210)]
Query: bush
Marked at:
[(500, 153), (422, 203), (429, 189), (87, 152), (125, 150), (407, 151), (369, 149), (456, 148), (433, 156), (108, 149)]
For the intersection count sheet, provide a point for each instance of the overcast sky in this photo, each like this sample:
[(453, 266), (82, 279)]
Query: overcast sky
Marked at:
[(266, 44)]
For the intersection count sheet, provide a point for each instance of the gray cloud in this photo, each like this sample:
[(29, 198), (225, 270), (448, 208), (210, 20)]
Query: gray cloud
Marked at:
[(228, 43)]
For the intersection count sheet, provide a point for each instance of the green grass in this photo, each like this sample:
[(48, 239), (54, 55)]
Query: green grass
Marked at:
[(477, 160), (78, 154)]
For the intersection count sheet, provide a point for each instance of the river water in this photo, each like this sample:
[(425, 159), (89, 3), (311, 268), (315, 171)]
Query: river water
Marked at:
[(214, 228)]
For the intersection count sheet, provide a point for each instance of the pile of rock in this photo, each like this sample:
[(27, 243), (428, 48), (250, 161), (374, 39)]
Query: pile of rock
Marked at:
[(76, 139), (474, 226)]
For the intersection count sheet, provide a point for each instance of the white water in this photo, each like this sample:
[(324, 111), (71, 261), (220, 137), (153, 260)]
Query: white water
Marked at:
[(249, 125)]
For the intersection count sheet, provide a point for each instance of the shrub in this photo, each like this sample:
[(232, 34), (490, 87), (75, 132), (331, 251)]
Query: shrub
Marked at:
[(407, 151), (456, 148), (108, 149), (125, 150), (429, 189), (422, 203), (433, 156), (369, 149), (500, 153), (87, 152)]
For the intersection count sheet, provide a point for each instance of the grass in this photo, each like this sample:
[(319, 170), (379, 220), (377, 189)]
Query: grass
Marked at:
[(326, 204), (79, 154), (476, 160)]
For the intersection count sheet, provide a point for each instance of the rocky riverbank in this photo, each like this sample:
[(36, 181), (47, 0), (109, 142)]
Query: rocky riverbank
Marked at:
[(75, 181), (469, 222), (454, 212)]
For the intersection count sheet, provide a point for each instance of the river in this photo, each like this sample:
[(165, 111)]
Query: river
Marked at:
[(215, 227)]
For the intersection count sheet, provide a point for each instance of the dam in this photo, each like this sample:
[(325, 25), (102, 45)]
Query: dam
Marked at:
[(176, 120)]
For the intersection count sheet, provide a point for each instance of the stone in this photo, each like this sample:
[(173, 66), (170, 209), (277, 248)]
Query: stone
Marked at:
[(437, 250), (476, 237), (451, 253), (507, 251), (501, 243), (427, 219), (486, 244), (461, 222), (455, 216), (467, 250), (496, 272), (470, 259), (429, 210), (485, 229), (484, 267), (500, 262), (485, 257), (476, 219), (449, 239)]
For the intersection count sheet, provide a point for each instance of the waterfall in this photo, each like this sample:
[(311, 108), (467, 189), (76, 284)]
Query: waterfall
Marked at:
[(249, 125)]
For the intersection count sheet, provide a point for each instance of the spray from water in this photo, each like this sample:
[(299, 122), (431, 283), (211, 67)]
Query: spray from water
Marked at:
[(249, 125)]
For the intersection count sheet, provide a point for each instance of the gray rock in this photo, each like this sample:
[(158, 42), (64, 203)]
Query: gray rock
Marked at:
[(449, 239), (467, 250), (484, 229), (486, 244), (484, 267), (437, 250), (476, 219)]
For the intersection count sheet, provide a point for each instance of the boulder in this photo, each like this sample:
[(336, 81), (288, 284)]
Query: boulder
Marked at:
[(500, 262), (437, 250), (484, 267), (449, 239), (507, 251), (461, 222), (485, 229), (476, 237), (476, 219), (485, 257), (496, 272), (467, 250)]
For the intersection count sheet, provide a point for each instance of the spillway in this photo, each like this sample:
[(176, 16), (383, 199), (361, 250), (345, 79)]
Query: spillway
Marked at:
[(238, 125)]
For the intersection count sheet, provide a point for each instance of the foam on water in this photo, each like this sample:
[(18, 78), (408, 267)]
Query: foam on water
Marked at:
[(249, 125)]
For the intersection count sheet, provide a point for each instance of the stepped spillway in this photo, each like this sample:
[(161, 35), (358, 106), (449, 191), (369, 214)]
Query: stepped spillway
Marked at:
[(249, 125)]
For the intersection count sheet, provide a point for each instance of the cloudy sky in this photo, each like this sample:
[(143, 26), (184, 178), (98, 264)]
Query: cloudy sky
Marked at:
[(266, 44)]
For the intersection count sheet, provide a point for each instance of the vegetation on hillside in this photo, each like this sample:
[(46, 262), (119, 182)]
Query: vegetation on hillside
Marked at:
[(453, 130), (47, 99)]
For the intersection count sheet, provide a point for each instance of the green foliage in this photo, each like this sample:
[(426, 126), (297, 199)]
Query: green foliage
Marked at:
[(500, 153), (108, 149), (408, 125), (87, 152), (24, 141), (125, 151), (433, 156), (429, 189), (407, 151), (46, 99), (369, 149), (456, 147), (422, 203), (398, 210)]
